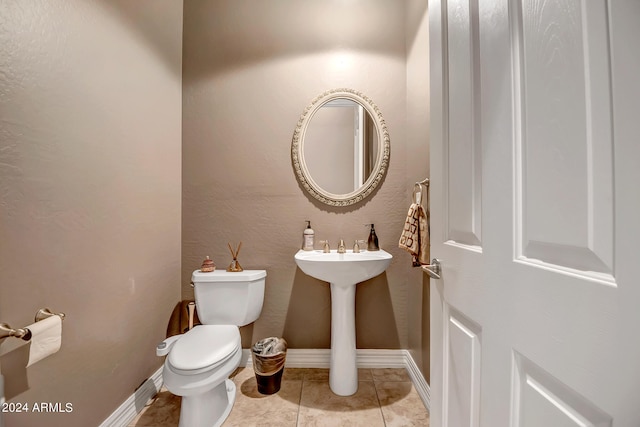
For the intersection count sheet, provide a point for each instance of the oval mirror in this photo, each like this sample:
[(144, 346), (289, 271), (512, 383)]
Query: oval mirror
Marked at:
[(340, 149)]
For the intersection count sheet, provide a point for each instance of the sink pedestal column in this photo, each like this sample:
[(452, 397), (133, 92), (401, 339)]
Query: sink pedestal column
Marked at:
[(343, 371)]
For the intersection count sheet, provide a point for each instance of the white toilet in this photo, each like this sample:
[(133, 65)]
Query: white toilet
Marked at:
[(199, 362)]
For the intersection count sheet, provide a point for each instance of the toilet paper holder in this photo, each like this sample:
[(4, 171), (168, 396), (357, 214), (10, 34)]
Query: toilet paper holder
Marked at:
[(24, 333), (43, 313)]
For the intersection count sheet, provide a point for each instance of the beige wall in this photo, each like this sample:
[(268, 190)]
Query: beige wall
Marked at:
[(417, 32), (249, 69), (90, 100)]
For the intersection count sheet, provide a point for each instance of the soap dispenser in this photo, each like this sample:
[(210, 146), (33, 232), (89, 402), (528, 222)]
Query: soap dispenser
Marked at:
[(372, 243), (307, 237)]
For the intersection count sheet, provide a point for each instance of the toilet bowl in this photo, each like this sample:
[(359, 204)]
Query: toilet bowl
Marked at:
[(199, 362), (198, 367)]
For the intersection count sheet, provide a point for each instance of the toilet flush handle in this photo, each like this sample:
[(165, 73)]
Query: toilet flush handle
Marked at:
[(165, 346)]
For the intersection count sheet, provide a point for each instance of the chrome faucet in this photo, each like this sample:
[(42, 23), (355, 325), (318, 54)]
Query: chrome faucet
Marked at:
[(341, 248)]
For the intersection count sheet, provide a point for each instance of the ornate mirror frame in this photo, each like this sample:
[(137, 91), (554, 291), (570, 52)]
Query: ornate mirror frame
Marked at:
[(297, 149)]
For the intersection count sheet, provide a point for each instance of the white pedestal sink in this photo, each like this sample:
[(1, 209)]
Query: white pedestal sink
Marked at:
[(343, 272)]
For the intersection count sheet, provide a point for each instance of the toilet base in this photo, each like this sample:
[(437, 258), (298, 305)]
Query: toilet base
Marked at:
[(208, 409)]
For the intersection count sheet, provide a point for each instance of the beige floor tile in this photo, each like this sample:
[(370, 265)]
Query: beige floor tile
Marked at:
[(365, 374), (316, 374), (390, 374), (254, 409), (241, 374), (401, 405), (293, 374), (162, 411), (322, 374), (320, 407), (260, 418)]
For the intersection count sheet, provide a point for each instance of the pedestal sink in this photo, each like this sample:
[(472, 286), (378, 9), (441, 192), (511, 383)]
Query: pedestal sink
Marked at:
[(343, 272)]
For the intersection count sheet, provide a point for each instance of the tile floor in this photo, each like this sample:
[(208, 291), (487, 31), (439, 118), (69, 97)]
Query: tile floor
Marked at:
[(385, 397)]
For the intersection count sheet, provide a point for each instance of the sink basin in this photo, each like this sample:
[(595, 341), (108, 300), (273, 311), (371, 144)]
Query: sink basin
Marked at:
[(343, 269), (343, 272)]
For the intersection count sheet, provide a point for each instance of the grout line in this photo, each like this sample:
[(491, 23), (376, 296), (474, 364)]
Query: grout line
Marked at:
[(300, 400), (375, 388)]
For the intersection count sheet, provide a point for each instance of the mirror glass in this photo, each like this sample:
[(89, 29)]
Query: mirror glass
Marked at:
[(341, 144), (340, 149)]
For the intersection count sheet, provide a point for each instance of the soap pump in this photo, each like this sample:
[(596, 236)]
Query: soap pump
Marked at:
[(372, 243), (307, 237)]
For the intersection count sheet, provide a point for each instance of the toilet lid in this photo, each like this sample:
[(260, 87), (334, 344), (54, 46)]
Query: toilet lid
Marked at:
[(204, 346)]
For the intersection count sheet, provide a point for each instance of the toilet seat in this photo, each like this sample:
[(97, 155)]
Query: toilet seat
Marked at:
[(204, 348)]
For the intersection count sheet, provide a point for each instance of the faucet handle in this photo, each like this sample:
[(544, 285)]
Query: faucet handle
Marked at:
[(356, 247), (326, 248)]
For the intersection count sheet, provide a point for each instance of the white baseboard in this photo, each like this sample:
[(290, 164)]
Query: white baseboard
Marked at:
[(131, 407), (421, 385), (296, 358), (321, 357)]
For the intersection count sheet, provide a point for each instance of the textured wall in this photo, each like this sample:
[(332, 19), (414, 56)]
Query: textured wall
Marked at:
[(418, 163), (90, 100), (249, 70)]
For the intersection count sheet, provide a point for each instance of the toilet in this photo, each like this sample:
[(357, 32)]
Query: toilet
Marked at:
[(199, 362)]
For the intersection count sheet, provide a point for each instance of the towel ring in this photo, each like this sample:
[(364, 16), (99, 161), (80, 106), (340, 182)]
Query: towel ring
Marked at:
[(417, 188)]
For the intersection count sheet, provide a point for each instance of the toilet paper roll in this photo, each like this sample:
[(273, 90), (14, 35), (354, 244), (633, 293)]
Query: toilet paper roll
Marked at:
[(46, 338)]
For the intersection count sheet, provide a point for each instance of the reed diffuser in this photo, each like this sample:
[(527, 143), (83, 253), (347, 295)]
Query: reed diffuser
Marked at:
[(235, 265)]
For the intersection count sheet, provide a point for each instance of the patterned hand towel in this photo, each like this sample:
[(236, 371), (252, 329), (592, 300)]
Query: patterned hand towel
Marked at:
[(415, 235)]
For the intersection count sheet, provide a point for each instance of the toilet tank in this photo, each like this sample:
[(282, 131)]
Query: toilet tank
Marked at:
[(226, 298)]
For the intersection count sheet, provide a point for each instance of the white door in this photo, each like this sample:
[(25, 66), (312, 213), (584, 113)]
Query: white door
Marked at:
[(535, 209)]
